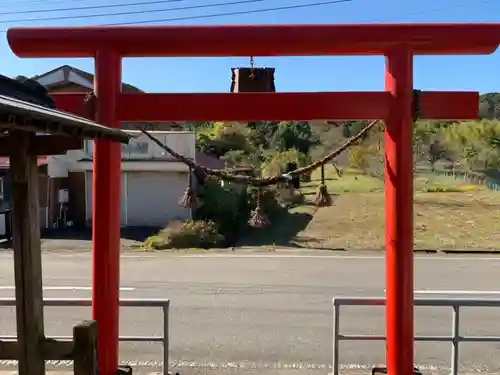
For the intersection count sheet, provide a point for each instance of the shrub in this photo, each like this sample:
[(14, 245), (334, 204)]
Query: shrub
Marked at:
[(230, 205), (287, 196), (187, 234), (451, 189), (154, 242), (225, 206), (275, 161), (269, 201), (467, 188), (358, 157)]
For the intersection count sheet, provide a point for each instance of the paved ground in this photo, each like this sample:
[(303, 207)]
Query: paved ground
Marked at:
[(272, 312)]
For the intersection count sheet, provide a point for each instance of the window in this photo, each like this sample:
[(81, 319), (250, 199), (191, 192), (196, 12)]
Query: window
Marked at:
[(130, 126), (88, 147), (136, 147)]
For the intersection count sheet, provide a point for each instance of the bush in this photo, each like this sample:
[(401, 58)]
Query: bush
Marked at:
[(230, 205), (154, 242), (358, 157), (185, 235), (451, 189), (275, 162), (269, 202), (225, 206), (288, 196)]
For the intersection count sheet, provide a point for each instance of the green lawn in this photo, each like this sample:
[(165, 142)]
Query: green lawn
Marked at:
[(352, 181)]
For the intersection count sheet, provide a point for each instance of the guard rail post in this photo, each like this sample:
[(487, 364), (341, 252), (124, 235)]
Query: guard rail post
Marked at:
[(163, 304), (336, 328), (166, 341), (455, 338)]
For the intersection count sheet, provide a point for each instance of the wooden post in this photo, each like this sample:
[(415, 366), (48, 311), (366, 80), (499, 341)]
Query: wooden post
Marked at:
[(27, 256), (85, 348)]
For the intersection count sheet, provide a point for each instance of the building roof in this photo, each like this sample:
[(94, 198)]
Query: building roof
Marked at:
[(25, 89), (65, 75), (68, 74), (26, 106)]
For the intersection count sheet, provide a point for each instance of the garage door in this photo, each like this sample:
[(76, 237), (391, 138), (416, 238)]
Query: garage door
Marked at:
[(88, 200), (152, 198)]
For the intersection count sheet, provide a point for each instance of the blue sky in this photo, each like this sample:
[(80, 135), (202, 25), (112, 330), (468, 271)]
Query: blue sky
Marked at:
[(292, 74)]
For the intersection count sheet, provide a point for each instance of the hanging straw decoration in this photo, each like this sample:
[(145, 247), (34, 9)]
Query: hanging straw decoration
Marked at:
[(189, 199), (322, 199), (252, 68), (337, 170), (258, 218)]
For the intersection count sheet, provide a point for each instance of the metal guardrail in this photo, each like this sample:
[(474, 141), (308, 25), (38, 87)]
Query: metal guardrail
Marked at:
[(455, 338), (164, 304)]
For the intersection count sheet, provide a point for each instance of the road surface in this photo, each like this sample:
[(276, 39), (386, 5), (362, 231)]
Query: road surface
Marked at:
[(271, 311)]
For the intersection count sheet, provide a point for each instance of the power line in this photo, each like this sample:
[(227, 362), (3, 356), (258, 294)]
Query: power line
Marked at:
[(173, 9), (263, 10), (160, 10), (89, 7), (24, 3), (215, 15), (144, 11)]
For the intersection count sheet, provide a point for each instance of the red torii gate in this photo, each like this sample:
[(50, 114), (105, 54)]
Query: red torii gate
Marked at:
[(398, 42)]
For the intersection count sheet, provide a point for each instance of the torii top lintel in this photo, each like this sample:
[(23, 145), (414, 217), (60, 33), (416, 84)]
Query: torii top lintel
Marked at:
[(255, 40)]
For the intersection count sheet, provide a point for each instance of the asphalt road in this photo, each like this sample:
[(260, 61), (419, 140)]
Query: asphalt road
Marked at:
[(271, 311)]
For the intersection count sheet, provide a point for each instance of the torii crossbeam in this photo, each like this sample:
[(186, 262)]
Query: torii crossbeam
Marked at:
[(398, 42)]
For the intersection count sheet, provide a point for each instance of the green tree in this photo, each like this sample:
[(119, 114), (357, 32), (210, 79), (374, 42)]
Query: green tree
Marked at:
[(294, 135), (221, 138), (435, 153), (275, 161), (262, 133), (489, 106)]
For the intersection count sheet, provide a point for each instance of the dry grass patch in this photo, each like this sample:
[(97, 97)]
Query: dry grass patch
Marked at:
[(442, 221), (449, 214)]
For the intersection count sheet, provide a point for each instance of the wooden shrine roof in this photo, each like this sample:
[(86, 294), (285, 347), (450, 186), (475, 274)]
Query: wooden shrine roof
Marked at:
[(26, 106)]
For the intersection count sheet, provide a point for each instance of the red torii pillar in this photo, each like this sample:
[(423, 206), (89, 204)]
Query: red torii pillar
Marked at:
[(106, 203), (398, 42)]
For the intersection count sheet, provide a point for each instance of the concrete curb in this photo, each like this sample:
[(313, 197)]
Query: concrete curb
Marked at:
[(354, 251), (269, 250)]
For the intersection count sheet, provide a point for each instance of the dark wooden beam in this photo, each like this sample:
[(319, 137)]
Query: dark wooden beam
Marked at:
[(27, 256), (28, 128), (44, 145), (55, 144), (9, 350), (56, 350)]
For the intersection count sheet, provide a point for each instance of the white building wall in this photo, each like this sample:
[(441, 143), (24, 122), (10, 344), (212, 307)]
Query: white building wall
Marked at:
[(152, 181), (141, 154), (142, 148)]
